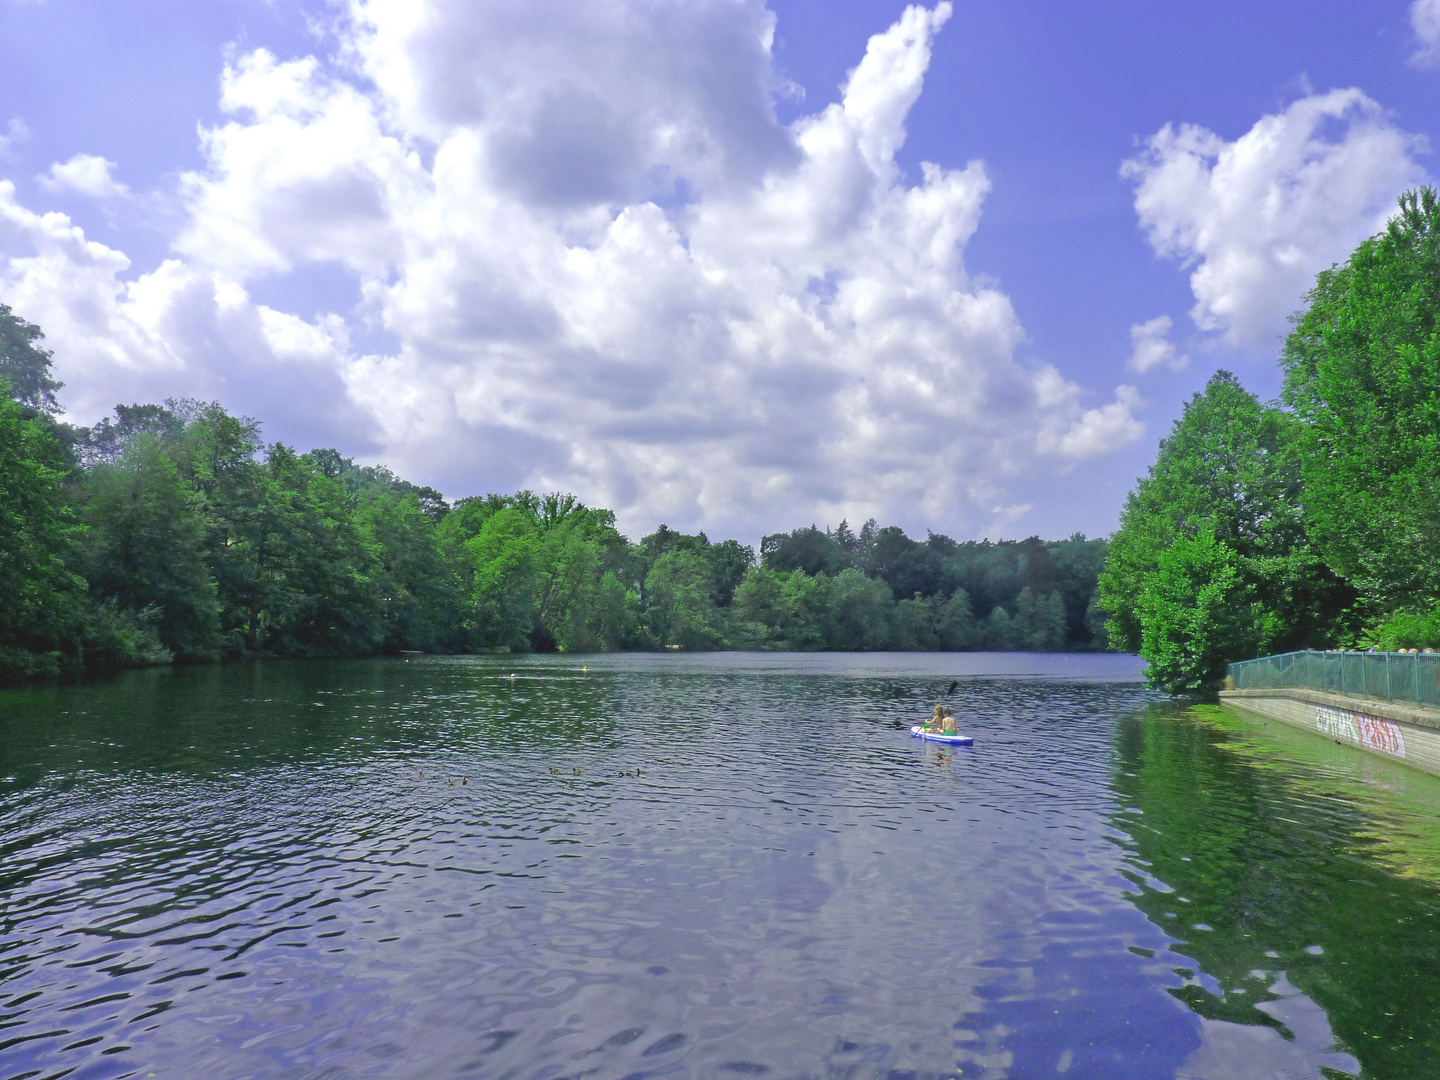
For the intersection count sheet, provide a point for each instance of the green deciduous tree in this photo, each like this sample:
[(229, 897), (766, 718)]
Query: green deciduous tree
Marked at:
[(1040, 617), (811, 550), (534, 572), (956, 627), (41, 595), (500, 565), (1227, 469), (677, 595), (614, 615), (861, 615), (316, 569), (146, 547), (758, 609), (418, 587), (1362, 374), (1198, 612), (25, 366), (805, 610), (913, 626)]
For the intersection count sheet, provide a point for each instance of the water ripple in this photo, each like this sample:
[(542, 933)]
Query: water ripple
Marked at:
[(661, 866)]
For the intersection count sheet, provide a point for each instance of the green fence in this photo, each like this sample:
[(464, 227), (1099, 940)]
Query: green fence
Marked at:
[(1413, 677)]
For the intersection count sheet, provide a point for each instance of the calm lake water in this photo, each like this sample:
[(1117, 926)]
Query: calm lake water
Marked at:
[(701, 866)]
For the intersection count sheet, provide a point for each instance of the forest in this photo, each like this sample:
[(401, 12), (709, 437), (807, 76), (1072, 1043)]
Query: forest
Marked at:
[(175, 534), (1311, 522)]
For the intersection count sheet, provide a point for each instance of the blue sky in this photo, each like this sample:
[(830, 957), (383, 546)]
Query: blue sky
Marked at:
[(641, 251)]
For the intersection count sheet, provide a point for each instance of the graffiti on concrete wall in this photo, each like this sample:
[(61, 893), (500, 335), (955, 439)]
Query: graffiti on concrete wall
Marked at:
[(1372, 732)]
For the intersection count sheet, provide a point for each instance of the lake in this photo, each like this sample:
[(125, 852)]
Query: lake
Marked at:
[(701, 866)]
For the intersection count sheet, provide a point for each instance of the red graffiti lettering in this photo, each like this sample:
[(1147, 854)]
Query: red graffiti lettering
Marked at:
[(1379, 734)]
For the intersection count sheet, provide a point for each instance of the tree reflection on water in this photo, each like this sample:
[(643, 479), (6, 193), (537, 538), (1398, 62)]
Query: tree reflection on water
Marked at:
[(1280, 862)]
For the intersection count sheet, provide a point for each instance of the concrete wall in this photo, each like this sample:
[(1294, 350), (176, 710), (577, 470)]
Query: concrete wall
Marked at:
[(1407, 733)]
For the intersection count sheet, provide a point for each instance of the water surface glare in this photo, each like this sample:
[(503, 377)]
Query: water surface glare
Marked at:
[(701, 866)]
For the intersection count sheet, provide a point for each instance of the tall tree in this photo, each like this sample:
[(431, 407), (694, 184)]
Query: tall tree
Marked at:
[(677, 591), (146, 549), (811, 550), (41, 595), (1229, 469), (1362, 374), (25, 365), (860, 615), (758, 608), (419, 590)]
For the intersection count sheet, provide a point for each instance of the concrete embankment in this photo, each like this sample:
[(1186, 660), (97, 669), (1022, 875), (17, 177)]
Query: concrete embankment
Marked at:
[(1408, 733)]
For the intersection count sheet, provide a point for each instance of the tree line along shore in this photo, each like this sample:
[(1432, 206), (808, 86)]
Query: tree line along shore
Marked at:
[(174, 533)]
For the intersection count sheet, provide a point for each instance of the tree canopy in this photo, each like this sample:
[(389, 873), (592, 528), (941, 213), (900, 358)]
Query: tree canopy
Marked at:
[(1362, 376), (1310, 523), (1228, 471), (25, 366), (175, 533)]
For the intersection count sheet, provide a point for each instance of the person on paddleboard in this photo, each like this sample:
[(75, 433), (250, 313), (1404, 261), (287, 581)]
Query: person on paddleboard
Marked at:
[(943, 721)]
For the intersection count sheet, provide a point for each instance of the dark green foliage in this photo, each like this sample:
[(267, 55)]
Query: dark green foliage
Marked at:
[(172, 532), (811, 551), (41, 595), (859, 613), (910, 568), (145, 548), (729, 560)]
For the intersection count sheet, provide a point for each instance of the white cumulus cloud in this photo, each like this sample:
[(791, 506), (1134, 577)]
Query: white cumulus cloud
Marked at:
[(596, 262), (1077, 434), (84, 174), (1151, 347), (1425, 21), (173, 332), (1260, 216)]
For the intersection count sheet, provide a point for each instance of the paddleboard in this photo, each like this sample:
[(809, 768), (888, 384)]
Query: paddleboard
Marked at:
[(940, 736)]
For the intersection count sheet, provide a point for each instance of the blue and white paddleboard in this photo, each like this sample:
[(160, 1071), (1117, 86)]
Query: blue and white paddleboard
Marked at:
[(940, 736)]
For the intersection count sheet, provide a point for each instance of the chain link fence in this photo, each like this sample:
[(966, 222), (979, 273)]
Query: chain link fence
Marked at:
[(1412, 677)]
